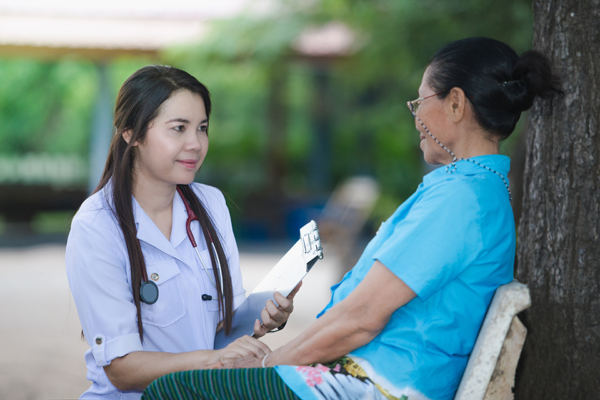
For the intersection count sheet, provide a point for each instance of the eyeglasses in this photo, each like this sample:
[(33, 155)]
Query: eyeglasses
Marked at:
[(413, 106)]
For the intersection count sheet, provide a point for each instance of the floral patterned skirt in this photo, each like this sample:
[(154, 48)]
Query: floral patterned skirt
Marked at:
[(342, 379)]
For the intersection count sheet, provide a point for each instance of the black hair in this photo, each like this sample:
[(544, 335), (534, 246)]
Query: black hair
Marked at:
[(138, 104), (499, 84)]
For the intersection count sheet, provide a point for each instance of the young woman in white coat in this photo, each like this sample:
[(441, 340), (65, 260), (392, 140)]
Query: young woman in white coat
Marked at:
[(149, 302)]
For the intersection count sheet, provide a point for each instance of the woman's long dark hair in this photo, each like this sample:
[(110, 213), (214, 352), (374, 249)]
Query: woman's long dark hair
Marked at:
[(138, 104)]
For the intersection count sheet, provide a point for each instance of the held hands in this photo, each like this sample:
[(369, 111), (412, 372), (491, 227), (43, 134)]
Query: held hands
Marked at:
[(245, 352), (231, 363), (273, 316)]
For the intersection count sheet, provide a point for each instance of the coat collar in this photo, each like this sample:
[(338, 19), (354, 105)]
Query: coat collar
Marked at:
[(148, 232), (178, 229), (497, 162)]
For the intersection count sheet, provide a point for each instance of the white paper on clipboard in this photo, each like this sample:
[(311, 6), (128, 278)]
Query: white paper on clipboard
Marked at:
[(283, 278)]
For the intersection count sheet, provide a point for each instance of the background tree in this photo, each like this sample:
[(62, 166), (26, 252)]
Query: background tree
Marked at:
[(559, 238)]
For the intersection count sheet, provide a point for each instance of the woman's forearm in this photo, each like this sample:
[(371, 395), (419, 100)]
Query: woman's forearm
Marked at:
[(135, 371), (349, 324), (335, 334)]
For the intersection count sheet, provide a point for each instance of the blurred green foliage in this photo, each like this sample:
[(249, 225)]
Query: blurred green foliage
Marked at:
[(52, 222), (47, 107)]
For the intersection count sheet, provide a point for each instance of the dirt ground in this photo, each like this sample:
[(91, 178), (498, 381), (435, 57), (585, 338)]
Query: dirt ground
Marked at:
[(41, 352)]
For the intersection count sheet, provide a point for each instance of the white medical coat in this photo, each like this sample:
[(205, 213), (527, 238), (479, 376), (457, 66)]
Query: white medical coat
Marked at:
[(99, 276)]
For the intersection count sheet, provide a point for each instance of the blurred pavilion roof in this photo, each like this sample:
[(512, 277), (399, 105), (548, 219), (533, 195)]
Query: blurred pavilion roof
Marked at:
[(107, 29), (330, 40), (101, 30)]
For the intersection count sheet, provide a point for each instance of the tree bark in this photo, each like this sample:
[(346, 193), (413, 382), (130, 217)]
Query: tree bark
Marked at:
[(559, 242)]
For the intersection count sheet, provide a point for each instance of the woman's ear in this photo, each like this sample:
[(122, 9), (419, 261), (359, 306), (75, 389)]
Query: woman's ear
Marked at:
[(457, 102), (127, 136)]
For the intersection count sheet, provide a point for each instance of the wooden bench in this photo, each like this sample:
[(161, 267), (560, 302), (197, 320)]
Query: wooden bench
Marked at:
[(490, 373)]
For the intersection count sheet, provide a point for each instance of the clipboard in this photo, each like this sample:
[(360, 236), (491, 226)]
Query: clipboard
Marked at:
[(283, 278)]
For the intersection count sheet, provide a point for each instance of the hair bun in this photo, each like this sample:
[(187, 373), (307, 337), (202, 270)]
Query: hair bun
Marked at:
[(500, 85), (532, 77)]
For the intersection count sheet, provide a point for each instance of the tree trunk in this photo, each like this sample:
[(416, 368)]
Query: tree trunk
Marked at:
[(559, 242)]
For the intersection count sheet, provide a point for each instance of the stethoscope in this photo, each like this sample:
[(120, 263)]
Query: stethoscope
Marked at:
[(149, 289)]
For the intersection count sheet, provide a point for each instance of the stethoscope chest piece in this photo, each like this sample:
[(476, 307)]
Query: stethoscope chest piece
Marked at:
[(149, 292)]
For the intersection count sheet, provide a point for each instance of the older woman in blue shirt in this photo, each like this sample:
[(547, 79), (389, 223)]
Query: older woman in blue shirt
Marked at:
[(403, 322)]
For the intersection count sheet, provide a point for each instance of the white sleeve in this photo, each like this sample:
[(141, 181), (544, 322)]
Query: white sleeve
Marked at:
[(97, 271)]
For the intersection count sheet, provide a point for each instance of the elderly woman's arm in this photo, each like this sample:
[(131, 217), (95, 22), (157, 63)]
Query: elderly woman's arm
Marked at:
[(350, 324)]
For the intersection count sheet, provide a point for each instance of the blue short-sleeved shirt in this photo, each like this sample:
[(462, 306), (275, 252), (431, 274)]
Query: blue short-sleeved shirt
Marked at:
[(453, 243)]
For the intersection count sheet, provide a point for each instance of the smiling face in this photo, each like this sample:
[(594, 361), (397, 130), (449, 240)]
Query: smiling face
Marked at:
[(175, 144), (433, 113)]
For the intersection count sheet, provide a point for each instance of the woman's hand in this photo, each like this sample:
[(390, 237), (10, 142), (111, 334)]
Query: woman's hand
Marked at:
[(231, 363), (273, 316), (244, 347)]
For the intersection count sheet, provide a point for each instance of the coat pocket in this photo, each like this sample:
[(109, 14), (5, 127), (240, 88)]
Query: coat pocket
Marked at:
[(169, 307)]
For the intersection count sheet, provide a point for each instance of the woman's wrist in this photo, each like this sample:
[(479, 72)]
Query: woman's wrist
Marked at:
[(213, 357), (271, 359)]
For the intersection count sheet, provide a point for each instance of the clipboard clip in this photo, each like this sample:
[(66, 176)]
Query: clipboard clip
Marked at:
[(311, 242)]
